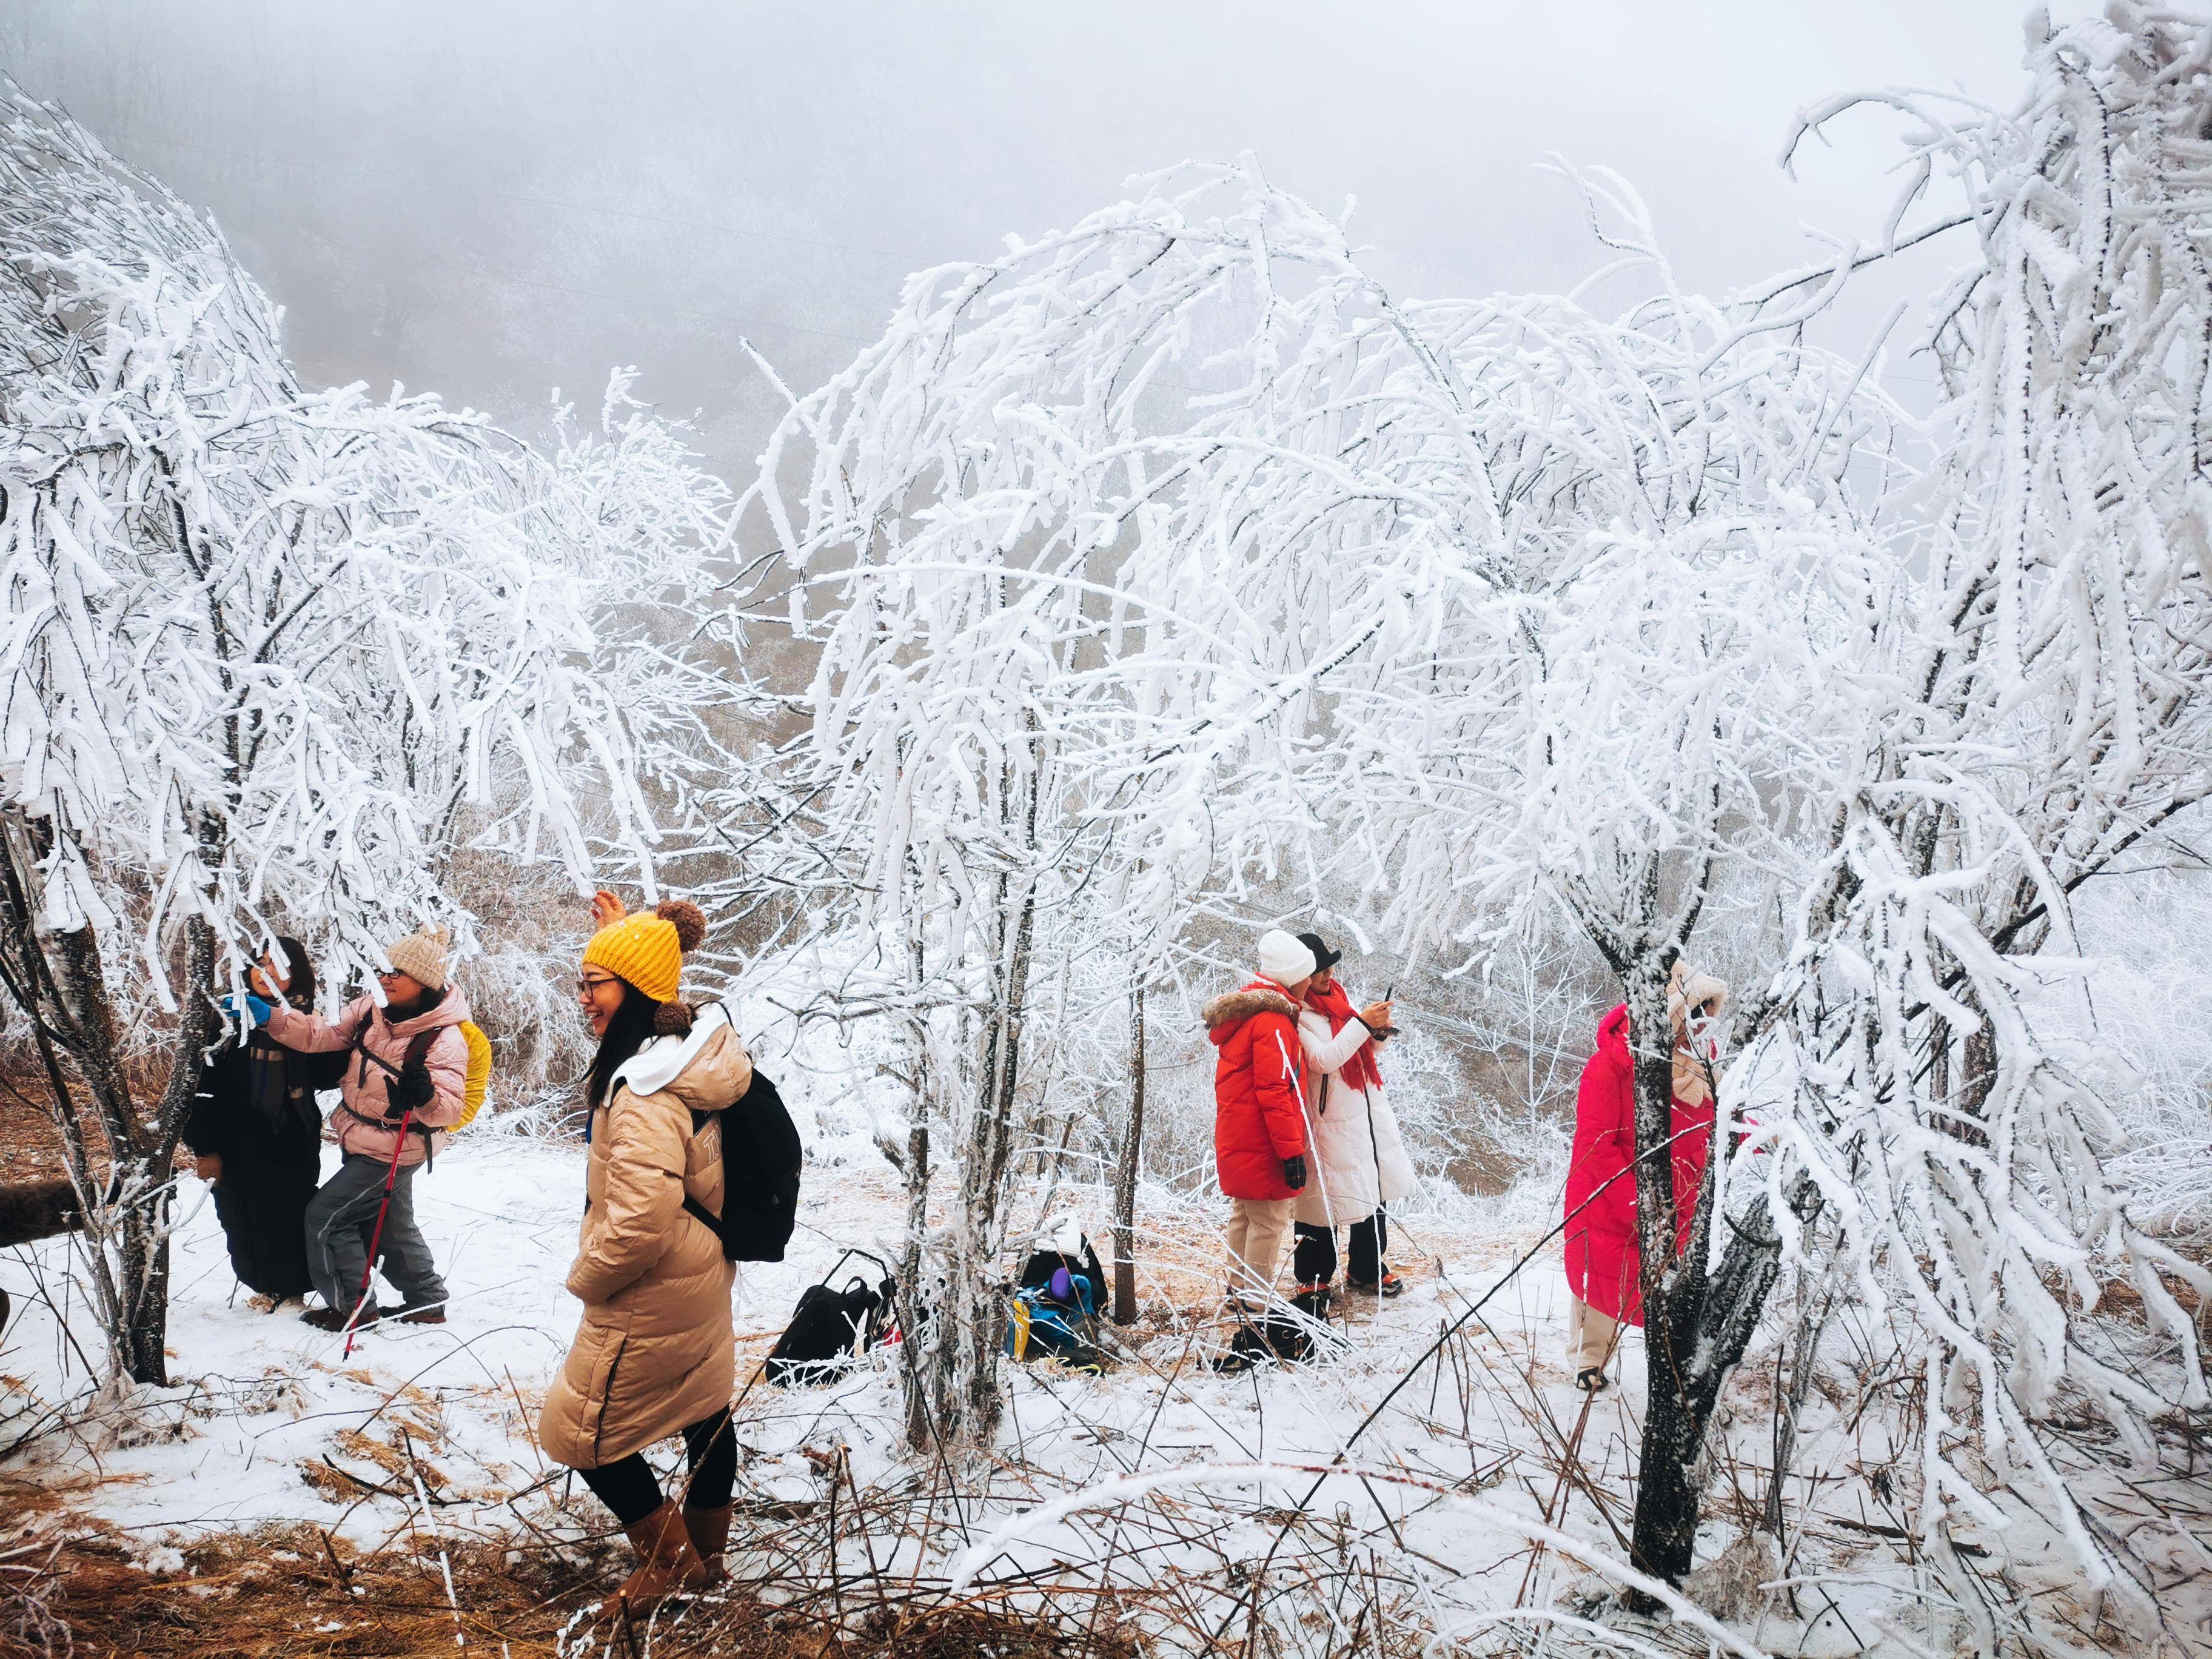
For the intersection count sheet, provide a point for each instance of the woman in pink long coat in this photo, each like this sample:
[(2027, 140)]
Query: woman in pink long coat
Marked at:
[(1604, 1264)]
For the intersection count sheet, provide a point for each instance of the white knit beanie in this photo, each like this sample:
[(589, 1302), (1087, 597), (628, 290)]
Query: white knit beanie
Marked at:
[(1283, 959), (422, 956)]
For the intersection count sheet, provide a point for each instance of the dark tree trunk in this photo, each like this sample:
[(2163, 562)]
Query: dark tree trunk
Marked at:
[(1125, 1175), (981, 1323), (914, 1262), (1709, 1323), (57, 978), (1665, 1497), (912, 1265), (1696, 1325)]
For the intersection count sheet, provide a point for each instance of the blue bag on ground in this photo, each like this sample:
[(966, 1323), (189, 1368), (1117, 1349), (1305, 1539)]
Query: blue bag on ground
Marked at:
[(1057, 1320)]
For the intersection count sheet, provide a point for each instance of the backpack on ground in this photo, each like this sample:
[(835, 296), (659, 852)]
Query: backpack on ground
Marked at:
[(1301, 1333), (830, 1329), (760, 1156), (1065, 1245), (1298, 1333), (1057, 1320), (1053, 1256)]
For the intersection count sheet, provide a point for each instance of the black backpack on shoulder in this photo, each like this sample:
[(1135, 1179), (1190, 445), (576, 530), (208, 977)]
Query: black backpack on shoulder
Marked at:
[(761, 1155)]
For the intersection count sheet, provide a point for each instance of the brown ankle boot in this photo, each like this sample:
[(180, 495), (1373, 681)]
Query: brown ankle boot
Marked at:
[(709, 1531), (668, 1565)]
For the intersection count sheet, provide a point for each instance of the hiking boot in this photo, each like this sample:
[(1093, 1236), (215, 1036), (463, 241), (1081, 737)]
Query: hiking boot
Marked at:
[(1593, 1380), (1388, 1286), (332, 1319), (431, 1313), (667, 1566), (710, 1533)]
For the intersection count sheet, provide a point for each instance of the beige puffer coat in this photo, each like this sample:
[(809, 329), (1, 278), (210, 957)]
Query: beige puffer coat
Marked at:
[(656, 1352)]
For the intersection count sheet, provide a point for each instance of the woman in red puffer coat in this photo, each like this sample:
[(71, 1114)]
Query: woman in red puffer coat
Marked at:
[(1260, 1112), (1604, 1263)]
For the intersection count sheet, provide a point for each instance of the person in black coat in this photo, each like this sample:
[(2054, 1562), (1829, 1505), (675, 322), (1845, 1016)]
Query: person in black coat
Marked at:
[(256, 1135)]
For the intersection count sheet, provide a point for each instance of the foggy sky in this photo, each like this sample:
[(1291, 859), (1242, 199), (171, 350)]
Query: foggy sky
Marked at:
[(489, 198)]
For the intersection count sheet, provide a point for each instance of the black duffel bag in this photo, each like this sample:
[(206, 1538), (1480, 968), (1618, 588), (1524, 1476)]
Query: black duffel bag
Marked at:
[(830, 1329)]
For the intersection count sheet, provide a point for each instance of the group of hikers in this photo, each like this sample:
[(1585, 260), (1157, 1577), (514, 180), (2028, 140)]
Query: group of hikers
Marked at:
[(1306, 1142), (256, 1131), (655, 1354)]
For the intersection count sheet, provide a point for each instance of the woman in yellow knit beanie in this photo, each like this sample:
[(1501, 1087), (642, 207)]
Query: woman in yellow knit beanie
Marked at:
[(654, 1354)]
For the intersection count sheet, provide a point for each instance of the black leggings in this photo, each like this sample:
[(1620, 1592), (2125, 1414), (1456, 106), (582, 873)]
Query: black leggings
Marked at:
[(629, 1489), (1315, 1257)]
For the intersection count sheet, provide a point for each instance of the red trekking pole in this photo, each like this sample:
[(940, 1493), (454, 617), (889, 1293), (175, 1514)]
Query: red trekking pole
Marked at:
[(376, 1238)]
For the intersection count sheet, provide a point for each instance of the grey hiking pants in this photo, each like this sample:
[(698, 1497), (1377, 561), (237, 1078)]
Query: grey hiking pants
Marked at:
[(340, 1218)]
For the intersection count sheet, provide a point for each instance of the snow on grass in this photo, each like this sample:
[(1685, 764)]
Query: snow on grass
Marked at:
[(1117, 1476)]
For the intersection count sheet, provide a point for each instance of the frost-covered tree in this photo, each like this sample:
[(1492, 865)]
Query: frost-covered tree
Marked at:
[(1510, 600), (1038, 726), (1622, 695), (262, 649), (2051, 708)]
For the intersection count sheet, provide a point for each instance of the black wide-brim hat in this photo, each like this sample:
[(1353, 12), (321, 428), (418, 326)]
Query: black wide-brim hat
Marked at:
[(1323, 957)]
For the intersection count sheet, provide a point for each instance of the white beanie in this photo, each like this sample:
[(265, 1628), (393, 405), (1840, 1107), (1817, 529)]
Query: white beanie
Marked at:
[(1283, 959), (422, 956)]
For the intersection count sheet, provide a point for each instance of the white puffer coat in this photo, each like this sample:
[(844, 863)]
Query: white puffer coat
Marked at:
[(1363, 1161)]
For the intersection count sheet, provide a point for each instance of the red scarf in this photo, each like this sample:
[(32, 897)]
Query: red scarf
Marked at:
[(1360, 1072)]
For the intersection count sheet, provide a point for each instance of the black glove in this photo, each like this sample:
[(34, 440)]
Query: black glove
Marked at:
[(411, 1090), (1294, 1172)]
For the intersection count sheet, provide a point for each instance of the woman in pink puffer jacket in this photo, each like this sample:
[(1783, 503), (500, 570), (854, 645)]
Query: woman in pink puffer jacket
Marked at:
[(407, 1061)]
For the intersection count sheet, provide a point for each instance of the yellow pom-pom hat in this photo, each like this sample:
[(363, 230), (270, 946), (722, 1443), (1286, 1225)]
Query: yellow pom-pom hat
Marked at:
[(648, 949)]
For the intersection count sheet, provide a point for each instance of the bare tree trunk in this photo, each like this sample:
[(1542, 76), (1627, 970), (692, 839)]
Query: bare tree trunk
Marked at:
[(1804, 1352), (1665, 1496), (1125, 1174), (1696, 1325), (57, 978), (912, 1265), (974, 1307), (980, 1313)]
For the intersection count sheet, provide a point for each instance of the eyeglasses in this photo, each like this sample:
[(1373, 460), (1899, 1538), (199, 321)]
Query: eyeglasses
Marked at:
[(585, 987)]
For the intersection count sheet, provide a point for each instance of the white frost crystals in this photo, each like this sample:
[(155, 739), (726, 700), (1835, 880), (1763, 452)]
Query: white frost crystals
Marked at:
[(261, 643), (1453, 618), (267, 654)]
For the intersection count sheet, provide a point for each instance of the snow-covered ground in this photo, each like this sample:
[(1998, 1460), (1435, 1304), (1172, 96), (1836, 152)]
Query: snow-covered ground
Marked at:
[(268, 1424)]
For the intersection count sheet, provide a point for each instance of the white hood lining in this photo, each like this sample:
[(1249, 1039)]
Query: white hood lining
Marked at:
[(660, 1061)]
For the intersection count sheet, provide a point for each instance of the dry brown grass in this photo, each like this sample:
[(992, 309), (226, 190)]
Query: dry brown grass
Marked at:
[(288, 1593)]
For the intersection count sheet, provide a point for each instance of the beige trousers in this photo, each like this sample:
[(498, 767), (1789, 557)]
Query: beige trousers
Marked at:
[(1592, 1337), (1257, 1229)]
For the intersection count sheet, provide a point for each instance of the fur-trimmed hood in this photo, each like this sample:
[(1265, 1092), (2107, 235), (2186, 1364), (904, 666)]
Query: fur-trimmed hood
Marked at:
[(1688, 989), (1259, 1118), (1236, 1007)]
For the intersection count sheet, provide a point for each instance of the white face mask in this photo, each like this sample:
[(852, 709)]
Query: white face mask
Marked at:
[(1705, 1037)]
